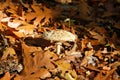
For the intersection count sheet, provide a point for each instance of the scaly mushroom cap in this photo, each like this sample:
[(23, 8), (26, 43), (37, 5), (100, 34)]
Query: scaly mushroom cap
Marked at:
[(59, 35)]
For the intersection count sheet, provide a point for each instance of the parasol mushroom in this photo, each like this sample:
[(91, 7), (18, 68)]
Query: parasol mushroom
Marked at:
[(59, 36)]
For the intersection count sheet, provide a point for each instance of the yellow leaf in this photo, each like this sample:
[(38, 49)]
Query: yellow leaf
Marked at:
[(68, 76), (63, 65)]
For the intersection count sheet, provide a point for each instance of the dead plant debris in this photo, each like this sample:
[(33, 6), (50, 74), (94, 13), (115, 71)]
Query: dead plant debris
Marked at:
[(88, 30)]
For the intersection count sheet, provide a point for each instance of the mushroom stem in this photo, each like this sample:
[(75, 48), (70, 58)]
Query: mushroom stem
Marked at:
[(58, 47)]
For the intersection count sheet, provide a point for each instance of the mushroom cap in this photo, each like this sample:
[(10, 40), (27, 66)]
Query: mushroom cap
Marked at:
[(59, 35)]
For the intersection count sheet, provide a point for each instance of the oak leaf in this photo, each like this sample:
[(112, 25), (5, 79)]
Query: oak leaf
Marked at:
[(6, 76)]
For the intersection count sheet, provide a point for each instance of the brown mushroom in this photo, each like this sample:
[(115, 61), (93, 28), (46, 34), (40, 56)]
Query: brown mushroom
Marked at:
[(59, 36)]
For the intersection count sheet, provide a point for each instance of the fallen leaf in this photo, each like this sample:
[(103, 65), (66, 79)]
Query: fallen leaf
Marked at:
[(6, 19), (19, 34), (99, 54), (106, 76), (68, 76), (17, 77), (37, 75), (117, 25), (6, 76), (88, 56), (28, 62), (42, 73), (83, 43), (9, 51), (13, 24), (2, 15), (29, 16), (94, 68), (44, 59), (100, 38), (30, 78), (25, 31), (40, 14), (63, 65)]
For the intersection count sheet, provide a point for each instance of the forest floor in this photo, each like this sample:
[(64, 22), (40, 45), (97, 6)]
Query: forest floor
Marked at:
[(26, 55)]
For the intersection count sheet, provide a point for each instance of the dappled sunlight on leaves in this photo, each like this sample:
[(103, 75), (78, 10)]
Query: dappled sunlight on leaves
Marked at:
[(32, 48)]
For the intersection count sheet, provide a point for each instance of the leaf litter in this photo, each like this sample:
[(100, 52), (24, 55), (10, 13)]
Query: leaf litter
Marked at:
[(26, 55)]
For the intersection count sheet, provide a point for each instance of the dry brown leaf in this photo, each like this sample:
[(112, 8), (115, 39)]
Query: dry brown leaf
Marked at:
[(100, 76), (4, 5), (84, 7), (6, 76), (95, 42), (1, 17), (99, 54), (68, 76), (29, 16), (99, 37), (34, 59), (69, 58), (109, 14), (17, 77), (29, 77), (13, 24), (45, 59), (63, 65), (37, 75), (24, 31), (40, 14), (9, 51), (27, 29), (71, 75), (114, 37), (88, 55), (84, 10), (12, 9), (19, 28), (100, 30), (42, 73), (115, 64), (83, 44), (19, 34), (12, 6), (20, 10), (1, 28), (28, 62), (93, 68)]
